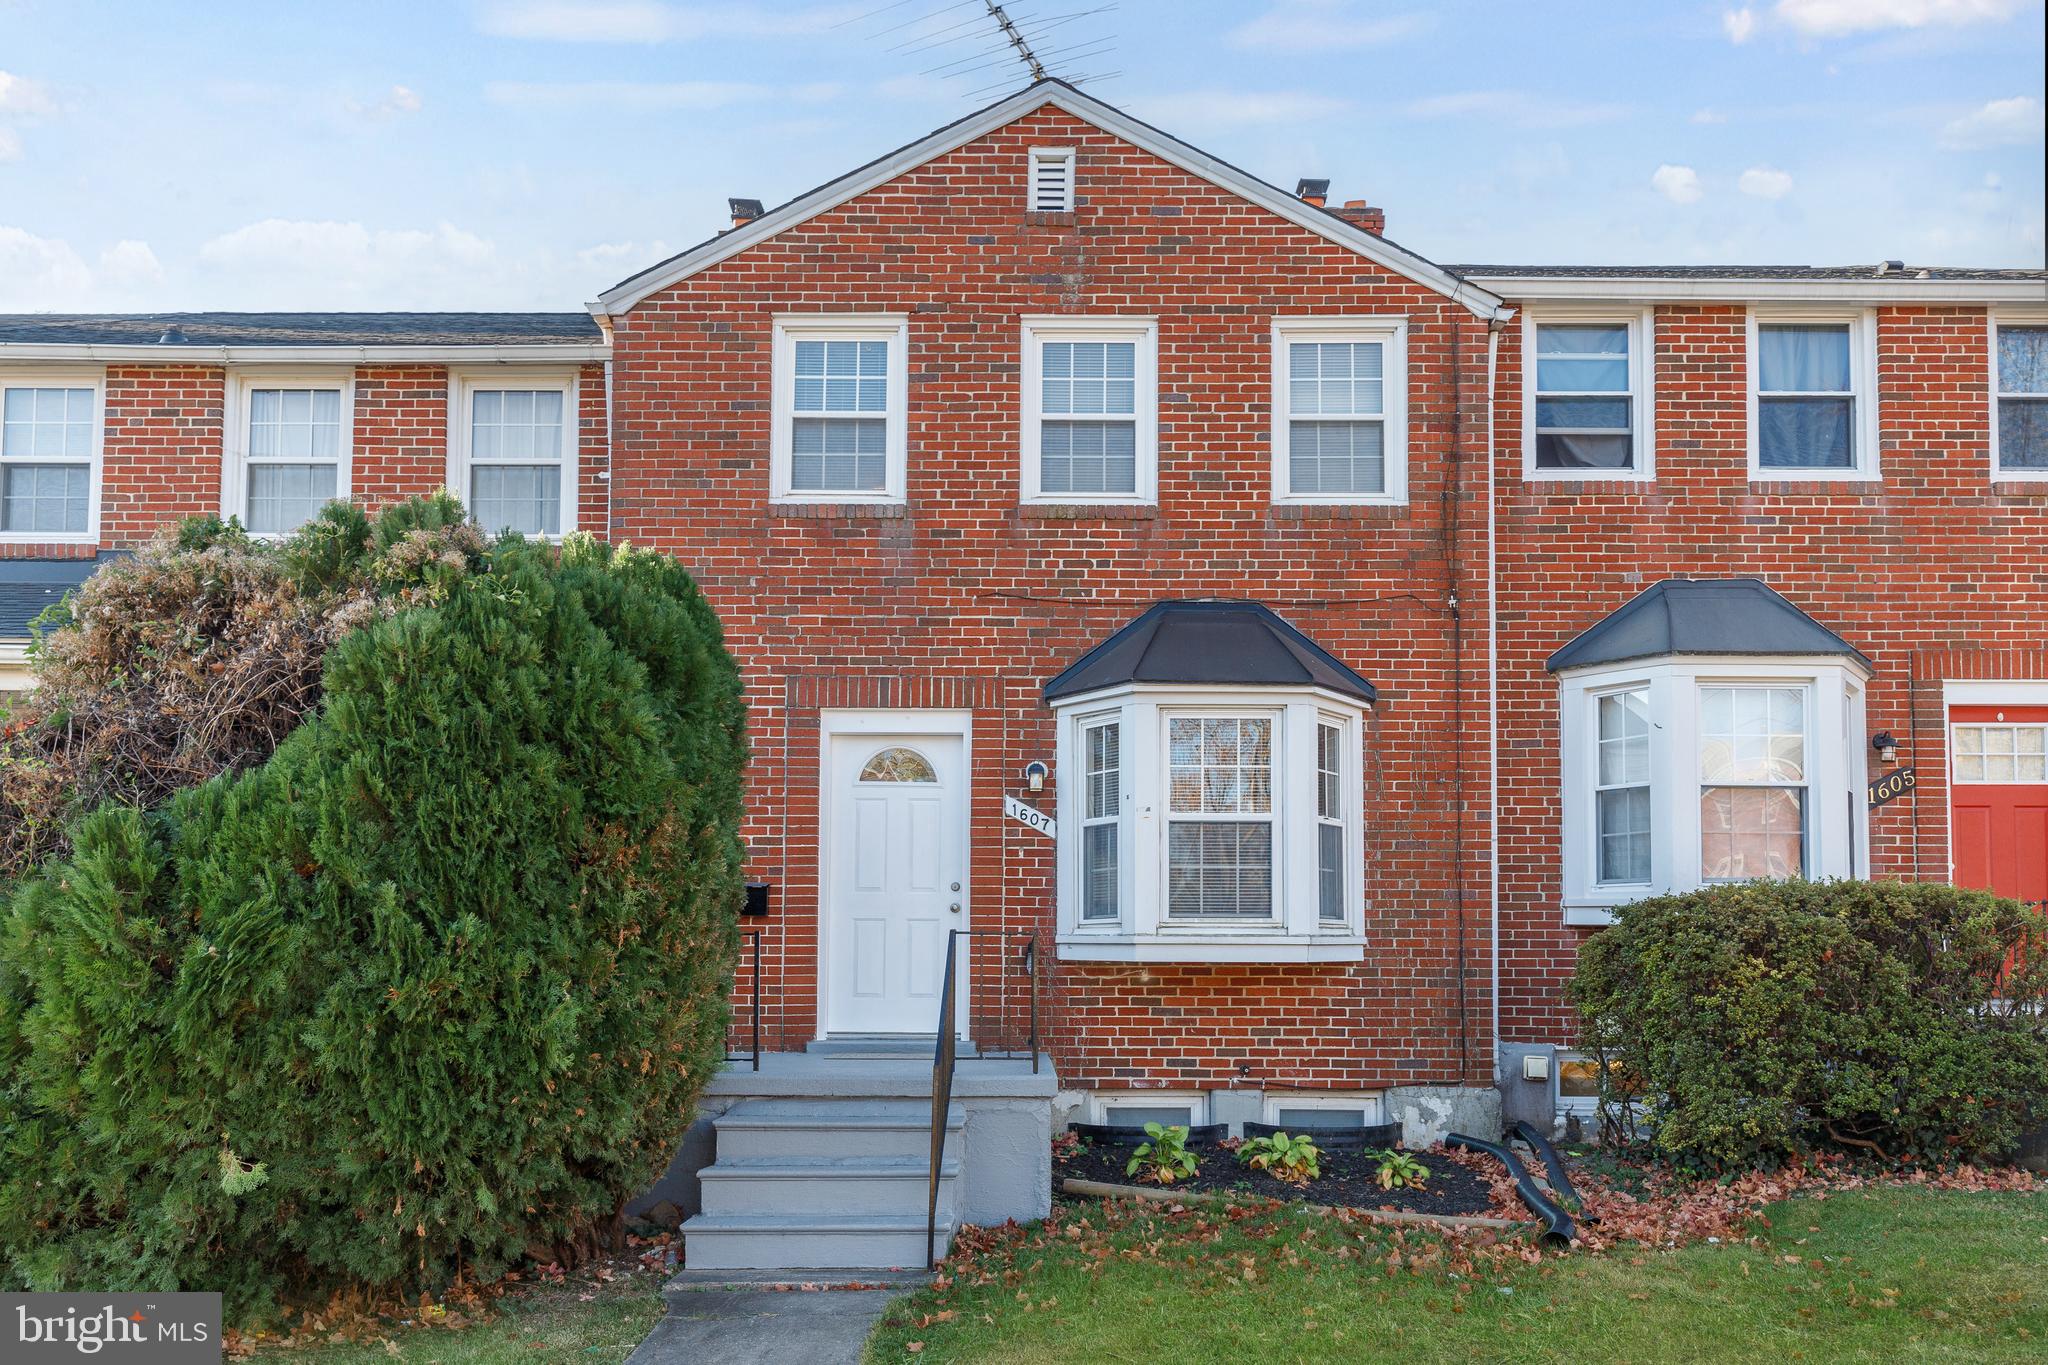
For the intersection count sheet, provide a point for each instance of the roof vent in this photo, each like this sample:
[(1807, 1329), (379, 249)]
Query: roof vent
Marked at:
[(744, 211), (1892, 268), (174, 335), (1309, 191)]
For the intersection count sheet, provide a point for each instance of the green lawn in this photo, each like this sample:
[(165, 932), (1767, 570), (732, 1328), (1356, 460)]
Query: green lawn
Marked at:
[(541, 1325), (1888, 1275)]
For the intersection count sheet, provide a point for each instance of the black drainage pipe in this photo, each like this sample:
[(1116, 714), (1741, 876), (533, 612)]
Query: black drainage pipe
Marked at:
[(1557, 1224), (1560, 1181)]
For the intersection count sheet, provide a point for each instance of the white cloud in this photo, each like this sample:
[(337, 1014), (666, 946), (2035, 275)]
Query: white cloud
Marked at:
[(48, 274), (1738, 24), (20, 96), (399, 99), (1833, 18), (647, 21), (1765, 183), (628, 256), (1679, 184), (1307, 26), (1515, 106), (1207, 109), (10, 145), (297, 263), (1706, 116), (2001, 123)]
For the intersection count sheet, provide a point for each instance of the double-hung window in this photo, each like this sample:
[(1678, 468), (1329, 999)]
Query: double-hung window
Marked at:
[(515, 452), (1090, 410), (1101, 818), (2019, 409), (49, 455), (1588, 397), (839, 409), (1331, 878), (1752, 755), (1340, 410), (1219, 839), (288, 449), (1813, 404), (1621, 787)]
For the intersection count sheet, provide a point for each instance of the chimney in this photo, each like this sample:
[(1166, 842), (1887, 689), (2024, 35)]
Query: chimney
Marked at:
[(744, 211), (1361, 214), (1316, 192)]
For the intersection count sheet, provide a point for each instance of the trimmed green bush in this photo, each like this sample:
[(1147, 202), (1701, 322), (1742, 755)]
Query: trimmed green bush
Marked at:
[(1744, 1026), (431, 989)]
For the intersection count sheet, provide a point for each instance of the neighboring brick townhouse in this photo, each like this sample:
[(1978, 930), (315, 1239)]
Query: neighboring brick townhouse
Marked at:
[(1367, 628)]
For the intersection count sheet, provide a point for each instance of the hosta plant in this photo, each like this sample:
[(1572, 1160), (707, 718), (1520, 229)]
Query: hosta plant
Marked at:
[(1296, 1160), (1398, 1170), (1163, 1158)]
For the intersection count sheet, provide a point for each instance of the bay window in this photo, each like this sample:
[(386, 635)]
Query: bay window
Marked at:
[(1210, 824), (1686, 771)]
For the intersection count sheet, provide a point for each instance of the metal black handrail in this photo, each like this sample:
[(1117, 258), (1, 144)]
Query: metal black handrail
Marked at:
[(753, 998), (945, 1056)]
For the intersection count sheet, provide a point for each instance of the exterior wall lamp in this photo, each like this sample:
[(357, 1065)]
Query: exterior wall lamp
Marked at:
[(1035, 775), (1887, 747)]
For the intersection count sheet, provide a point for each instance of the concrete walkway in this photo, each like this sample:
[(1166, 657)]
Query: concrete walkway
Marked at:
[(743, 1325)]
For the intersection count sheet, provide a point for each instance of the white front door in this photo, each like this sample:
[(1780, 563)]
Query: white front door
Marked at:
[(895, 877)]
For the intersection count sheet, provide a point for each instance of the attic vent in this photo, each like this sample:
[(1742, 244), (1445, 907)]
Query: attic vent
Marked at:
[(1052, 180)]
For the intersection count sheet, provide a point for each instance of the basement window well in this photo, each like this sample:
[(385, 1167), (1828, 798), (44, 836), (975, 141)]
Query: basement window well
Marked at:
[(1211, 810)]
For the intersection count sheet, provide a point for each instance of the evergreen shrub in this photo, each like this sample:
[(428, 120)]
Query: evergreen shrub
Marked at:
[(432, 988), (1749, 1025)]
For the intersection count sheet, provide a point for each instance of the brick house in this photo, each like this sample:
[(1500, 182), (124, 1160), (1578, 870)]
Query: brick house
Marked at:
[(1288, 648)]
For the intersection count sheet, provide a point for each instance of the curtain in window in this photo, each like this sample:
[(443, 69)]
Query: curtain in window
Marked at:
[(2023, 398)]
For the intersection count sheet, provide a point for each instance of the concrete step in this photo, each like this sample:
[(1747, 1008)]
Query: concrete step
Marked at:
[(792, 1241), (794, 1128), (849, 1185), (881, 1046)]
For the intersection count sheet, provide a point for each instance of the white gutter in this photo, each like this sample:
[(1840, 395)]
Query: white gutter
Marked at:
[(555, 353), (1903, 288), (1493, 687)]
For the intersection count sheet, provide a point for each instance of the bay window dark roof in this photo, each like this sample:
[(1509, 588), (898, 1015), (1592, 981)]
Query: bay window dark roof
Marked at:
[(29, 585), (1702, 616), (1209, 643)]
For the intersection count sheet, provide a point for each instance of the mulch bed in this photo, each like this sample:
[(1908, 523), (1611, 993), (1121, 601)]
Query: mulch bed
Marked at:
[(1348, 1180)]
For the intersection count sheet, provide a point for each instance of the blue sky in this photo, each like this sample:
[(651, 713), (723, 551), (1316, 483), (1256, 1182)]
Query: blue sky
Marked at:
[(527, 153)]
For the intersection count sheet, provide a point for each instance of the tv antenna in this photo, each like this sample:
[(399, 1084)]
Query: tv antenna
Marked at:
[(996, 36)]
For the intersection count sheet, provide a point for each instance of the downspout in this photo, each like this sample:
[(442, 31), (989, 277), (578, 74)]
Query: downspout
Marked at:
[(1493, 329)]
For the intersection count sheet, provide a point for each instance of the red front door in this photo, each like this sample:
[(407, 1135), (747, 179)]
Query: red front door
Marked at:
[(1998, 799)]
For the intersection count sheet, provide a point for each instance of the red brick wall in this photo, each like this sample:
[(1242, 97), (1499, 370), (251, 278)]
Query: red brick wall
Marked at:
[(965, 598), (161, 447), (1935, 573)]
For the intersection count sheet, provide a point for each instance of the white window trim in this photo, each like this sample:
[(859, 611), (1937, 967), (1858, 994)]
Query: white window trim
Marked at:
[(1100, 1102), (893, 328), (1393, 332), (1864, 428), (1993, 320), (462, 387), (234, 474), (1039, 155), (96, 380), (1142, 932), (1372, 1104), (1642, 393), (1041, 328), (1838, 837)]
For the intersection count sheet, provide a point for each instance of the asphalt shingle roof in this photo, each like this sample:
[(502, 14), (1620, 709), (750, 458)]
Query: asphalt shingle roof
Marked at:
[(303, 329), (1742, 272), (1239, 643), (1702, 616)]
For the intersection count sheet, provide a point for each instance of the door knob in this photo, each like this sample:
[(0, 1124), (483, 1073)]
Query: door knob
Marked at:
[(954, 907)]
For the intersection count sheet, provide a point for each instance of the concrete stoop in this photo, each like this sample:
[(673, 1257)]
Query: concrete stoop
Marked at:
[(821, 1163)]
